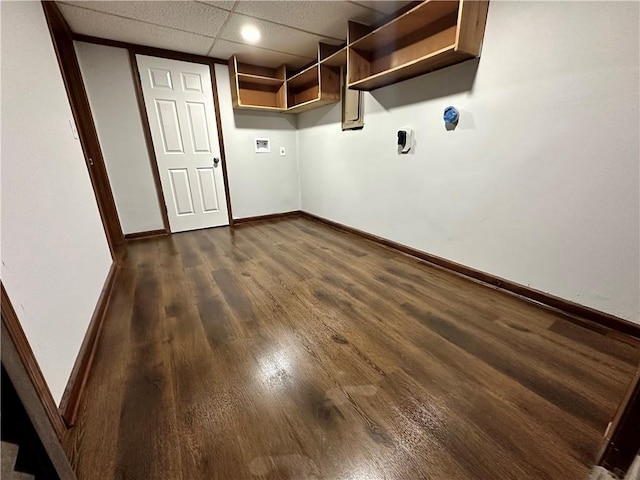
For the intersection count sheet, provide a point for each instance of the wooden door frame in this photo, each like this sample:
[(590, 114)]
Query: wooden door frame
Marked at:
[(135, 49), (32, 390), (11, 325), (621, 443), (210, 62), (62, 39)]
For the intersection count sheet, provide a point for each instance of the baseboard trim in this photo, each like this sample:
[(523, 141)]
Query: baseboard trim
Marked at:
[(82, 366), (147, 234), (271, 216), (580, 312), (19, 339)]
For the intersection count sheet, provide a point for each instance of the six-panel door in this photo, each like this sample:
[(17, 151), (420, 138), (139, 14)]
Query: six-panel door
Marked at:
[(178, 99)]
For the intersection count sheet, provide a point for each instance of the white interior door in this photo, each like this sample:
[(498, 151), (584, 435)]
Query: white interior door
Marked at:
[(179, 102)]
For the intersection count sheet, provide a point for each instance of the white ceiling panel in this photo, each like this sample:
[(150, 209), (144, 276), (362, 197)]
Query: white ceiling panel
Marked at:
[(97, 24), (384, 6), (188, 16), (274, 36), (257, 56), (290, 30), (325, 18)]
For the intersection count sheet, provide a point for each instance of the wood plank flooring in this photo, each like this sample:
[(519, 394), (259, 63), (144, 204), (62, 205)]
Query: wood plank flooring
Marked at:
[(290, 350)]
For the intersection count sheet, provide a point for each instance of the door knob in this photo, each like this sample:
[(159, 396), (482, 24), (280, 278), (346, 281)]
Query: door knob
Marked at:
[(216, 161)]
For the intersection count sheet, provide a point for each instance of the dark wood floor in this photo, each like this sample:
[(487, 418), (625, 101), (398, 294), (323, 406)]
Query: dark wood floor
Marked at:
[(289, 350)]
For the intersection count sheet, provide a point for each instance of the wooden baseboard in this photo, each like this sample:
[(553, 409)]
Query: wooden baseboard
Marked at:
[(147, 234), (580, 312), (271, 216), (19, 340), (82, 366)]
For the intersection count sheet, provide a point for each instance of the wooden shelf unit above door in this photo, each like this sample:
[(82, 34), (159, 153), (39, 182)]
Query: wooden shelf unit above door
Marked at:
[(433, 35)]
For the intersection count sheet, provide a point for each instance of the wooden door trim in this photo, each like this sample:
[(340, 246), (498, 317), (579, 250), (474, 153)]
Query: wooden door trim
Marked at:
[(210, 62), (135, 49), (621, 442), (84, 361), (147, 234), (19, 339), (61, 37), (223, 158), (146, 128)]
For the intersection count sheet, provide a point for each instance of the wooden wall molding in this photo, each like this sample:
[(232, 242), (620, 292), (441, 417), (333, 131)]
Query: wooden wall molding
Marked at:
[(19, 339), (580, 312), (147, 234), (271, 216), (82, 366)]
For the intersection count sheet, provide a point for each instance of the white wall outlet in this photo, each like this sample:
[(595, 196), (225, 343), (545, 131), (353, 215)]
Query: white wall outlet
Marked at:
[(263, 145), (283, 152)]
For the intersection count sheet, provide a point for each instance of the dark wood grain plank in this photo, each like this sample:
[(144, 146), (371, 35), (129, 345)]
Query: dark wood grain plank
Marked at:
[(288, 349)]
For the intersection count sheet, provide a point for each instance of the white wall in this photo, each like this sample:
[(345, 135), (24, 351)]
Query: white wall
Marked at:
[(539, 183), (109, 82), (261, 183), (55, 257)]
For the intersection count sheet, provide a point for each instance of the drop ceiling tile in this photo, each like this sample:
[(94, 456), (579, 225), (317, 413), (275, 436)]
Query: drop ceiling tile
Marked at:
[(227, 5), (188, 16), (384, 6), (257, 56), (89, 22), (274, 37), (327, 18)]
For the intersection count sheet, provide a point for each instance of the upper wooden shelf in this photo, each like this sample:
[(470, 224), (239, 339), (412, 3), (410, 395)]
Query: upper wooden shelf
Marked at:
[(259, 79), (257, 88), (332, 55), (316, 86), (308, 75), (408, 23), (433, 35), (268, 89)]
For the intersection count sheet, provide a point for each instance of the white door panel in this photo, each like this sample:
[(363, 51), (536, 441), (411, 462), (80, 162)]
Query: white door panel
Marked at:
[(169, 127), (181, 191), (179, 102), (198, 126), (208, 193)]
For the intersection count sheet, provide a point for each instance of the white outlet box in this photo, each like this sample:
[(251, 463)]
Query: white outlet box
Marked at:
[(283, 152), (263, 145)]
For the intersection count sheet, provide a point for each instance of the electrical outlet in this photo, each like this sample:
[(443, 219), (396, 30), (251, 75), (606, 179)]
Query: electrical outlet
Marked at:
[(282, 152)]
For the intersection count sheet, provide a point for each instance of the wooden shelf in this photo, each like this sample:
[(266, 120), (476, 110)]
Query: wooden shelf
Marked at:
[(260, 80), (434, 61), (430, 36), (316, 86), (308, 75), (433, 34), (257, 88), (332, 55), (310, 105), (338, 59), (415, 20)]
